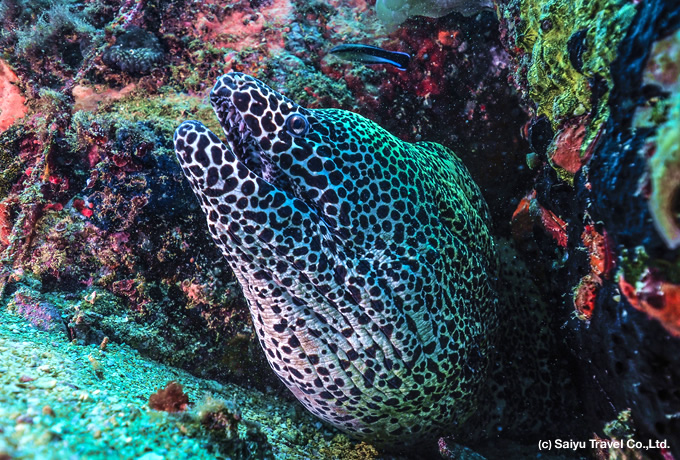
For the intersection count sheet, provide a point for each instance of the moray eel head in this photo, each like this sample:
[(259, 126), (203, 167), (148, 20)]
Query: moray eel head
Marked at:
[(366, 261), (255, 119), (314, 155)]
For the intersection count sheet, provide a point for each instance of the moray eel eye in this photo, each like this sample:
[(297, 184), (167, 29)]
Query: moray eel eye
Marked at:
[(297, 124)]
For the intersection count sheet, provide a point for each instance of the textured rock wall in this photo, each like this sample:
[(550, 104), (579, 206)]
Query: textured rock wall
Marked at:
[(601, 81)]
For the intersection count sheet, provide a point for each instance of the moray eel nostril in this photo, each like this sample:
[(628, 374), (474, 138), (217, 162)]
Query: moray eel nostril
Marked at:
[(367, 261)]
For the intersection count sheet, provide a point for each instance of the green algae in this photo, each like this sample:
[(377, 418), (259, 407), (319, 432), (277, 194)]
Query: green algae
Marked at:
[(208, 63), (559, 89), (164, 111), (62, 400), (665, 176), (568, 49), (635, 263)]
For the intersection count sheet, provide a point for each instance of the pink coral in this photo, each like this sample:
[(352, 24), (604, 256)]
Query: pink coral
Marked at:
[(241, 27), (12, 102), (89, 97)]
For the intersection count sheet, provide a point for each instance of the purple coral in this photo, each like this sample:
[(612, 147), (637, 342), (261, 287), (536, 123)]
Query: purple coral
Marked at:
[(40, 314)]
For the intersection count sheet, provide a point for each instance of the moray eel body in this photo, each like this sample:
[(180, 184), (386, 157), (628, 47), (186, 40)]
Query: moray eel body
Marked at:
[(367, 261)]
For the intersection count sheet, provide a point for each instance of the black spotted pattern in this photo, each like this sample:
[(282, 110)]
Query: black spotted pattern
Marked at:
[(367, 261)]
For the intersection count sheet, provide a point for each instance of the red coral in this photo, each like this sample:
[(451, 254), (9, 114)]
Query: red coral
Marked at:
[(426, 75), (171, 399), (450, 38), (530, 213), (556, 227), (12, 102), (568, 142), (585, 295), (656, 297), (196, 293), (84, 209), (600, 250), (601, 254)]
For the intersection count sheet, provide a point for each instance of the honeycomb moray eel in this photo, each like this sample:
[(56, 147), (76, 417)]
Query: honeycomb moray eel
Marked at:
[(367, 262)]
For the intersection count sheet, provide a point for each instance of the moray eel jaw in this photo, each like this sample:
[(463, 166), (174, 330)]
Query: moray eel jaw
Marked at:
[(243, 132), (278, 141), (366, 261)]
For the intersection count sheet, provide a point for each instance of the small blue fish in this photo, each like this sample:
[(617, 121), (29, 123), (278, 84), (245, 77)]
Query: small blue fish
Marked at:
[(367, 54)]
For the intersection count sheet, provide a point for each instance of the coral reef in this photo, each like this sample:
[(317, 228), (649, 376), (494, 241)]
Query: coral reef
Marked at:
[(564, 51), (100, 243)]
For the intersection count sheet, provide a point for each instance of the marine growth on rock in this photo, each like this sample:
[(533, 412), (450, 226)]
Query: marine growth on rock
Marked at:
[(137, 51)]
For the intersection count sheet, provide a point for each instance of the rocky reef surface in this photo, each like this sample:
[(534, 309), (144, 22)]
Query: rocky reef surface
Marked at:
[(566, 114), (62, 399), (600, 81)]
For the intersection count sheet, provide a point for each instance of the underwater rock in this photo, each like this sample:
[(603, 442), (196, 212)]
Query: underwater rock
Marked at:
[(594, 71), (303, 38), (394, 12), (563, 50), (110, 219), (137, 51), (295, 78), (245, 25), (540, 135), (89, 97)]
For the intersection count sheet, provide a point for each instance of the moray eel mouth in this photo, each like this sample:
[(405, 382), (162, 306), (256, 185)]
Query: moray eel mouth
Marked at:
[(252, 123), (366, 261), (238, 135)]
